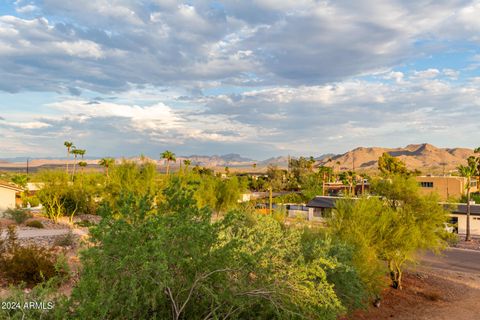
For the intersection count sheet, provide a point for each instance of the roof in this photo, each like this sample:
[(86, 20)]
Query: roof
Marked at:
[(10, 187), (323, 202), (461, 208), (458, 208)]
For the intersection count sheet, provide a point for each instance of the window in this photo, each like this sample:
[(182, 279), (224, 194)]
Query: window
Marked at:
[(426, 184), (473, 183)]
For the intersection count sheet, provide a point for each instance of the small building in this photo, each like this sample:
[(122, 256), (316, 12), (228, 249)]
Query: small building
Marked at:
[(8, 196), (321, 206), (458, 217), (445, 186)]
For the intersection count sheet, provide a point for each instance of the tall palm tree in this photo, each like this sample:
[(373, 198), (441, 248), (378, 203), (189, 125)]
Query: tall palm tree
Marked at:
[(169, 156), (468, 172), (76, 153), (69, 145), (82, 165), (106, 163), (187, 163)]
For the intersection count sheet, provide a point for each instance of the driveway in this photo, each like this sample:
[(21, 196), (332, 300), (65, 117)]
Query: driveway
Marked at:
[(454, 259), (33, 233)]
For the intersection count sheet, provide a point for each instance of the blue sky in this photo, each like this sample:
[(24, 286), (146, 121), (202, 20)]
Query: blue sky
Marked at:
[(257, 77)]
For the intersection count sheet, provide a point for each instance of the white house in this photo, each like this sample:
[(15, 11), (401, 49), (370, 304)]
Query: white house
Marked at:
[(8, 194)]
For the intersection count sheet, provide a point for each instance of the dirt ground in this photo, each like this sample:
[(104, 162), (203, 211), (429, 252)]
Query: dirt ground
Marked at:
[(429, 294)]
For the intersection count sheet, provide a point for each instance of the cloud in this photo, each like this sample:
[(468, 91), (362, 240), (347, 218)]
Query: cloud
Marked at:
[(258, 76), (107, 46), (278, 120)]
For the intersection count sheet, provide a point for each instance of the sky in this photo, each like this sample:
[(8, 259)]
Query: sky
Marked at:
[(260, 78)]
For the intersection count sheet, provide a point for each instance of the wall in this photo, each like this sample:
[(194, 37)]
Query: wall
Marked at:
[(453, 187), (7, 199), (462, 224)]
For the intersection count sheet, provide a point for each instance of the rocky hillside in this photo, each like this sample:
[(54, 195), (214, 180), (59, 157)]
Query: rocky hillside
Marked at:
[(415, 156)]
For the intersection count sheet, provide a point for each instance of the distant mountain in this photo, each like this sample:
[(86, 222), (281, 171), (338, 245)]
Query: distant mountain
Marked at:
[(415, 156)]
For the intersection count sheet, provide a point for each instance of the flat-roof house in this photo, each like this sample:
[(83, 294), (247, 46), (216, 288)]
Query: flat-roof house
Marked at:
[(458, 215), (8, 196), (446, 186), (320, 206)]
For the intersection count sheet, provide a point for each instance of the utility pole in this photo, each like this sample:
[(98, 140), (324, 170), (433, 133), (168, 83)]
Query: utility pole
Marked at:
[(323, 183), (270, 198), (27, 165)]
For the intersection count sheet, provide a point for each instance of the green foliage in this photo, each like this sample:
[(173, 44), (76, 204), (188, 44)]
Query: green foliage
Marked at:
[(177, 264), (347, 282), (28, 264), (33, 200), (62, 197), (390, 165), (355, 223), (67, 240), (20, 180), (51, 195), (35, 224), (19, 215), (276, 178), (46, 294), (291, 198), (227, 194), (391, 229)]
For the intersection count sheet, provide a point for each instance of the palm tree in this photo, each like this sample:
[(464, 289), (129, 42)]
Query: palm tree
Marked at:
[(254, 166), (69, 145), (106, 163), (76, 153), (187, 163), (468, 171), (82, 165), (169, 156)]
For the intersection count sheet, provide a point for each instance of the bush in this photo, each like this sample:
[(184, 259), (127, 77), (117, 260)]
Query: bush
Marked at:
[(27, 264), (176, 263), (35, 224), (67, 240), (19, 215), (33, 200)]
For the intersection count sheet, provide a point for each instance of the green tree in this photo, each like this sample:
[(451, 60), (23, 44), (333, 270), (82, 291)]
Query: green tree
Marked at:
[(469, 171), (77, 152), (107, 163), (20, 180), (276, 178), (69, 145), (187, 163), (168, 156), (390, 165), (391, 228), (177, 264), (82, 165)]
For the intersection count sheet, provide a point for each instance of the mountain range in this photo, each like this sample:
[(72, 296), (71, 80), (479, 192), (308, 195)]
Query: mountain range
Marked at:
[(423, 156)]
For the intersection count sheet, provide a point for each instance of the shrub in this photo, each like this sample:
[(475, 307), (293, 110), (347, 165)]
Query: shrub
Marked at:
[(67, 240), (33, 200), (85, 223), (35, 224), (19, 215), (27, 264), (176, 263)]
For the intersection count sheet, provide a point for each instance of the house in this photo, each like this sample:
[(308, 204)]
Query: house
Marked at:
[(8, 196), (322, 206), (458, 217), (445, 186)]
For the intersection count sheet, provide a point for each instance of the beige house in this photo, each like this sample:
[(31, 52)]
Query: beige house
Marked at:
[(458, 216), (8, 196), (445, 186)]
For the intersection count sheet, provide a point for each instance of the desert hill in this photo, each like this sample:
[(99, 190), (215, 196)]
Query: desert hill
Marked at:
[(416, 156)]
